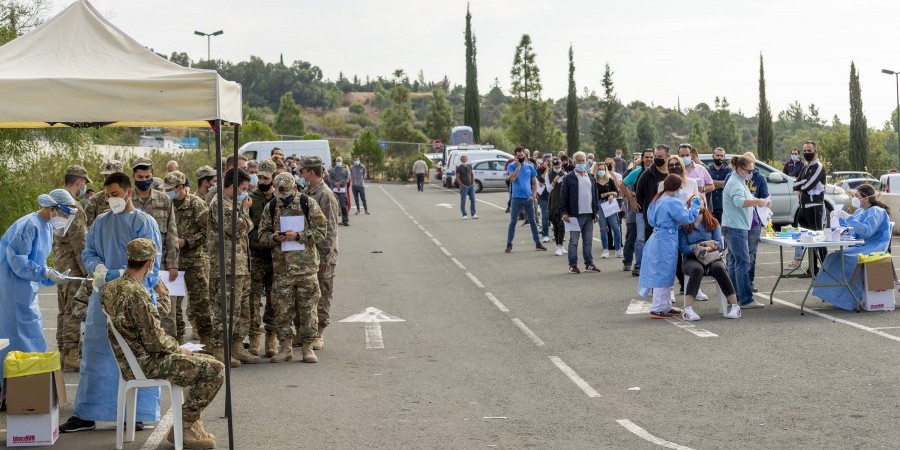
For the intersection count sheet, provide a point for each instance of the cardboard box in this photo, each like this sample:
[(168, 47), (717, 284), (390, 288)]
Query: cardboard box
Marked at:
[(878, 286), (32, 408)]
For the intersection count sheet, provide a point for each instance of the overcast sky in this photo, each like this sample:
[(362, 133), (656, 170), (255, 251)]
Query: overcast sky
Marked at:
[(659, 50)]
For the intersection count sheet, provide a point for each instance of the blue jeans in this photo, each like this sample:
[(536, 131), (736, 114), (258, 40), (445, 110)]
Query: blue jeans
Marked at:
[(467, 191), (737, 242), (610, 223), (639, 241), (516, 205), (544, 204), (586, 223), (630, 240), (753, 246)]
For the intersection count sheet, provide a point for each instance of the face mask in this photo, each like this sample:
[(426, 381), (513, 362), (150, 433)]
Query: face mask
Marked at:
[(144, 185), (356, 163), (718, 162), (337, 164), (82, 191), (557, 169), (254, 179), (264, 187), (809, 156), (659, 162), (601, 173), (287, 200), (59, 223), (675, 169), (116, 204), (521, 160), (540, 161), (686, 161), (747, 176), (854, 201), (172, 195), (580, 167), (590, 162), (795, 158), (241, 197)]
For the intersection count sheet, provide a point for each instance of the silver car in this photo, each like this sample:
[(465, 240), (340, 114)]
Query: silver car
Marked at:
[(489, 174)]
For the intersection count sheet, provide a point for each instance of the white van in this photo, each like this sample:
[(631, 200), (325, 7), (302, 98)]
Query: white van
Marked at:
[(472, 155), (890, 183), (262, 150)]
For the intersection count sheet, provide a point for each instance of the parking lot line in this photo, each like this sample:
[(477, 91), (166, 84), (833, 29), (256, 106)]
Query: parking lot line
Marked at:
[(859, 326), (643, 434), (583, 385), (534, 338)]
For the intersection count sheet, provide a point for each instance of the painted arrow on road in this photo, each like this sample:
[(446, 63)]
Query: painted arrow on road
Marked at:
[(445, 205), (373, 317)]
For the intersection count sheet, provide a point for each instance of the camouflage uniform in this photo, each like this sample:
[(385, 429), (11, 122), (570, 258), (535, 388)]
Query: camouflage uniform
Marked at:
[(191, 217), (128, 304), (203, 172), (261, 275), (67, 250), (296, 287), (241, 276), (160, 207), (328, 247)]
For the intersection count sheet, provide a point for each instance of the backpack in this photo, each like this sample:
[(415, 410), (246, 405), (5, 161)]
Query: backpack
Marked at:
[(304, 205)]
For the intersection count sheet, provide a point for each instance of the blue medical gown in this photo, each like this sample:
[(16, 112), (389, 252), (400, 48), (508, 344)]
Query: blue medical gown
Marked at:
[(872, 225), (25, 247), (666, 215), (97, 391)]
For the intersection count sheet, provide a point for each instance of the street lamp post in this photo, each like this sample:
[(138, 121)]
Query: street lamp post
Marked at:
[(897, 79), (208, 66)]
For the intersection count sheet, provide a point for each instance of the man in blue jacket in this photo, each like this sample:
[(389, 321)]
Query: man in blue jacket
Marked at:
[(578, 203)]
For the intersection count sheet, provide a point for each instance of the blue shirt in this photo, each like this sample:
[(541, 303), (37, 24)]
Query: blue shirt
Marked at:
[(734, 215), (700, 234), (521, 186), (632, 177), (715, 197)]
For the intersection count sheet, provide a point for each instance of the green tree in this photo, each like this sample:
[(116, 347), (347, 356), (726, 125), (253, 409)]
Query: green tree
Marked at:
[(254, 130), (765, 143), (859, 130), (397, 122), (180, 58), (439, 118), (497, 138), (367, 148), (723, 129), (647, 134), (472, 108), (698, 136), (288, 120), (608, 129), (572, 136), (18, 17), (528, 120)]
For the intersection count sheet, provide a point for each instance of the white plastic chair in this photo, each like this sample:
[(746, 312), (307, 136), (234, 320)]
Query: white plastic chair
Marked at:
[(723, 300), (126, 406)]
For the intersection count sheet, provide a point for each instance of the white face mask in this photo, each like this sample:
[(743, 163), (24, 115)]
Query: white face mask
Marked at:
[(117, 205), (855, 202), (58, 223)]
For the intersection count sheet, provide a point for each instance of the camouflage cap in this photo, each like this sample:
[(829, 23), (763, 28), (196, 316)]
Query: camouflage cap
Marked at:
[(111, 166), (266, 168), (311, 161), (78, 171), (284, 185), (173, 180), (205, 171), (157, 184), (140, 249), (142, 162)]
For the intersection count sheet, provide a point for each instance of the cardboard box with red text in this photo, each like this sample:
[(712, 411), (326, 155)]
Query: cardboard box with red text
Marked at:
[(878, 286), (32, 405)]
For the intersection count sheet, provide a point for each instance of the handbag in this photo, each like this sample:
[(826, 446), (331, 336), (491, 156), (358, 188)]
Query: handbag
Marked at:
[(707, 257)]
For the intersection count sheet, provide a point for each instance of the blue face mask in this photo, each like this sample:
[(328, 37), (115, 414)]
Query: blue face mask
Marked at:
[(686, 161), (338, 164), (172, 195), (601, 173), (795, 158), (287, 200), (144, 185), (241, 197), (557, 169), (82, 191), (254, 179), (581, 167)]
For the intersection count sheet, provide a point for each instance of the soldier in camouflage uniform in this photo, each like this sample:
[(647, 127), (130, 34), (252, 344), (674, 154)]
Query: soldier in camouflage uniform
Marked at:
[(311, 170), (68, 244), (240, 279), (296, 287), (261, 264), (206, 178), (191, 216), (131, 311), (160, 207)]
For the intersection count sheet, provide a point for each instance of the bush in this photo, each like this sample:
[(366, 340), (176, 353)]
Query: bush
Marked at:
[(356, 108)]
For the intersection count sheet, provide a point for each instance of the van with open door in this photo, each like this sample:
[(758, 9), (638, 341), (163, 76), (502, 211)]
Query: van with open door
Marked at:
[(262, 150)]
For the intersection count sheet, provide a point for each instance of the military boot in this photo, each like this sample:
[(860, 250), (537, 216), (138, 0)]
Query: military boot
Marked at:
[(237, 351), (309, 356), (71, 361), (193, 436), (285, 354), (271, 344), (219, 353), (319, 343), (254, 345)]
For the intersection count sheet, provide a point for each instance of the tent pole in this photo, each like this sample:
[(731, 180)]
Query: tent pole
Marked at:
[(234, 212), (220, 210)]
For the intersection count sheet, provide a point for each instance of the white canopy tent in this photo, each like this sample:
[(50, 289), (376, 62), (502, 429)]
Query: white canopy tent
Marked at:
[(78, 68)]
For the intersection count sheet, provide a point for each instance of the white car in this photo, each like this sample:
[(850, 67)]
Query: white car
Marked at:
[(489, 174)]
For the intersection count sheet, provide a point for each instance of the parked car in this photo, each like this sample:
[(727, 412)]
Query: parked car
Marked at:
[(839, 176), (850, 184), (489, 174), (890, 183), (473, 155), (785, 202)]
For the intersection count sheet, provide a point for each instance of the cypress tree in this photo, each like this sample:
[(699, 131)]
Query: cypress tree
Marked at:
[(859, 137), (471, 108), (572, 138), (608, 128), (765, 144)]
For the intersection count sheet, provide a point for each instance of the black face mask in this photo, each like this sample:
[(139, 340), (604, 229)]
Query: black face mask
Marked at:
[(718, 162), (809, 156), (264, 187), (675, 169), (521, 159), (659, 162)]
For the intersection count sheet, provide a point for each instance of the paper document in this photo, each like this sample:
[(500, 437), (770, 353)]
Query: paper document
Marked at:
[(610, 208), (572, 224), (340, 190), (176, 288), (541, 188), (192, 346), (293, 223)]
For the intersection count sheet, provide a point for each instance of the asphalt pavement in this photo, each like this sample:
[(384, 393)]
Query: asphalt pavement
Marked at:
[(451, 343)]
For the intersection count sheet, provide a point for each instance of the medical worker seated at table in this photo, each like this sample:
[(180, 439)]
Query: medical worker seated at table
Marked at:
[(871, 223), (23, 269)]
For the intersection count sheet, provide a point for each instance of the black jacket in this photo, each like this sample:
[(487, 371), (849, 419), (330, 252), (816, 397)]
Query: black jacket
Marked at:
[(568, 195), (811, 177)]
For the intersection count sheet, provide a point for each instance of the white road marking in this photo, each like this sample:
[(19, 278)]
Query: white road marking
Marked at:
[(496, 302), (436, 242), (446, 252), (458, 264), (643, 434), (159, 433), (415, 221), (874, 331), (445, 205), (489, 203), (534, 338), (638, 307), (421, 227), (373, 317), (432, 236), (885, 328), (585, 387), (474, 280), (374, 339), (691, 328)]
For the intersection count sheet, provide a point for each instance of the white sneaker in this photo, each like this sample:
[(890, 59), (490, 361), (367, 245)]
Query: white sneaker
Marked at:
[(465, 217), (689, 315), (753, 305), (672, 293), (701, 296), (474, 216), (546, 239), (565, 251), (605, 254), (620, 253), (734, 312), (558, 251)]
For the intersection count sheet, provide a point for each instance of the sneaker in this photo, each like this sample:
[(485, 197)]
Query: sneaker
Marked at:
[(592, 268), (734, 312), (794, 264), (753, 305), (636, 272), (367, 213), (626, 268), (546, 239), (508, 248), (465, 217), (661, 315), (675, 312), (507, 209), (565, 251), (474, 216), (574, 269), (605, 254), (701, 296), (754, 289), (690, 315), (558, 251), (74, 425), (620, 253), (540, 247)]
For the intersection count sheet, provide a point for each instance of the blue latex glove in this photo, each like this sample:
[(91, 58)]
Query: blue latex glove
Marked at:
[(112, 275), (695, 203)]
